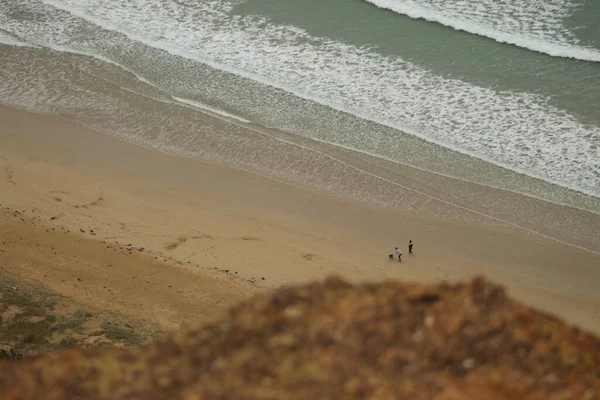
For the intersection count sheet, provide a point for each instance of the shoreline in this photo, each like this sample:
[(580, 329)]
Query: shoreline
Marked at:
[(406, 187), (416, 192), (256, 227)]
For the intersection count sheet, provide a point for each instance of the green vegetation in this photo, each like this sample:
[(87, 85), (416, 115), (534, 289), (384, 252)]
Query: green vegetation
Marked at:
[(34, 321), (10, 354), (121, 334)]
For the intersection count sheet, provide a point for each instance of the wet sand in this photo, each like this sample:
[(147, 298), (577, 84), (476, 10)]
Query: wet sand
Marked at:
[(212, 235)]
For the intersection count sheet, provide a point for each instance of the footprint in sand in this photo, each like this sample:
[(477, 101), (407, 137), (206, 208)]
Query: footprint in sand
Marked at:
[(176, 244), (203, 236), (250, 238), (94, 203), (309, 256), (10, 176), (8, 171)]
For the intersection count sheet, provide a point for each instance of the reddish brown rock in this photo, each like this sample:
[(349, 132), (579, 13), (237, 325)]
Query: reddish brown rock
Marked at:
[(333, 340)]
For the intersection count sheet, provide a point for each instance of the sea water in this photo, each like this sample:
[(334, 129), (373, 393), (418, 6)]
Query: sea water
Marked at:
[(345, 96)]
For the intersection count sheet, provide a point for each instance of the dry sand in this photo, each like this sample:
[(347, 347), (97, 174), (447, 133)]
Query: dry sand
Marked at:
[(213, 235)]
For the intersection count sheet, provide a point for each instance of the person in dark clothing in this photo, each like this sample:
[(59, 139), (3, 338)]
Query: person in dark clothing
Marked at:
[(410, 246)]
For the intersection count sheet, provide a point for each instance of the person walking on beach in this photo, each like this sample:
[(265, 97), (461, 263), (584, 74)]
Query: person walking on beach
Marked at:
[(399, 253), (410, 246)]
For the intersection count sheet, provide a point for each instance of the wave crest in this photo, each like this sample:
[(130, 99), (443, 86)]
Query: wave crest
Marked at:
[(525, 25)]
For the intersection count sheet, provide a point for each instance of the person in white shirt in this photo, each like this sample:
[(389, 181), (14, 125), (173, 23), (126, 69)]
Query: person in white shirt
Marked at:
[(399, 254)]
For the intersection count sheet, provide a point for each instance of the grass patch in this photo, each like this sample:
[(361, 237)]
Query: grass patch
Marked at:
[(10, 354), (156, 334), (73, 322), (29, 302), (68, 343), (117, 333), (31, 323), (26, 320)]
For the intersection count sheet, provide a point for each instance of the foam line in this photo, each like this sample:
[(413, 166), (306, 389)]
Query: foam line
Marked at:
[(204, 107), (13, 41), (522, 132), (498, 127), (464, 19)]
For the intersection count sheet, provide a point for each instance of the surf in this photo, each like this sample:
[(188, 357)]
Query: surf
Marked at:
[(211, 110), (11, 40), (499, 127), (563, 44)]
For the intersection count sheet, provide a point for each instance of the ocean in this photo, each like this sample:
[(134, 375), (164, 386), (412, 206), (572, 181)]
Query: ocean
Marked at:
[(375, 100)]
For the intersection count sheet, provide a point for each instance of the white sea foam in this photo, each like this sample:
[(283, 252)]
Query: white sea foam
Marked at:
[(6, 39), (519, 131), (13, 41), (535, 25), (204, 107)]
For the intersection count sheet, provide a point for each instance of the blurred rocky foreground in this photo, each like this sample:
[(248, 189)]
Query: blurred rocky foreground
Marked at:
[(334, 340)]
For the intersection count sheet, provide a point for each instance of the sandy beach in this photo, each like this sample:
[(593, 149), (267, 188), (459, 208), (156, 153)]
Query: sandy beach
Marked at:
[(119, 227)]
